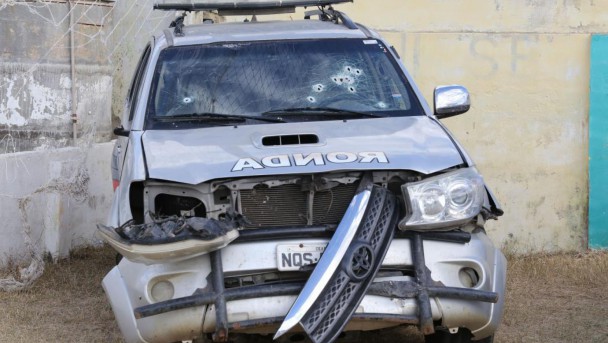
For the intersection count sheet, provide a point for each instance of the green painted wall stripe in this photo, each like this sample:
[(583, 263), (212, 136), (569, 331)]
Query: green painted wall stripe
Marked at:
[(598, 144)]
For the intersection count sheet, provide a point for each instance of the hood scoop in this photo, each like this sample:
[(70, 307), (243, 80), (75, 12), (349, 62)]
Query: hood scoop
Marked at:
[(290, 140)]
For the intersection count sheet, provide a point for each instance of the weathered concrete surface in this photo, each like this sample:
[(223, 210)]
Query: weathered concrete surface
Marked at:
[(52, 200), (526, 64), (35, 105), (35, 80)]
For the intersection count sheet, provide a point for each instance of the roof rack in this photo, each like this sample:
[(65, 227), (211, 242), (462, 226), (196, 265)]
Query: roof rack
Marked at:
[(244, 7), (325, 10), (329, 14)]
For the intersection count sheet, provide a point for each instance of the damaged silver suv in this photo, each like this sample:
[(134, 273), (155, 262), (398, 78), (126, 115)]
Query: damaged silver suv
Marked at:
[(286, 180)]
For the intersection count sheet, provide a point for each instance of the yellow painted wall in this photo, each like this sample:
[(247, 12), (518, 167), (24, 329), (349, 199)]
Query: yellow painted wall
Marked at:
[(526, 64)]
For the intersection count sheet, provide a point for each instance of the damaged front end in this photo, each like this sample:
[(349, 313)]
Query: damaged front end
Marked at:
[(165, 240), (332, 253)]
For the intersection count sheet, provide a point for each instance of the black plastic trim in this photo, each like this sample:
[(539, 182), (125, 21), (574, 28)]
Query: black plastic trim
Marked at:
[(272, 234), (200, 298)]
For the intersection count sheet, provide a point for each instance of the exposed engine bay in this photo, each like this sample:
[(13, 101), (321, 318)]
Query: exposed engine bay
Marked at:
[(297, 200)]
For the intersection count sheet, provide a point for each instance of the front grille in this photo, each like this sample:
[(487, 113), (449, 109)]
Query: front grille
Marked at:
[(287, 205), (342, 295)]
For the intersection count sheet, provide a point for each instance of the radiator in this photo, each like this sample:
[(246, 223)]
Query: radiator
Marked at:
[(288, 205)]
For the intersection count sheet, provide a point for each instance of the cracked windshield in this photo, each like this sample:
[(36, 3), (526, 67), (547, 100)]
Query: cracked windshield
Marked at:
[(279, 81)]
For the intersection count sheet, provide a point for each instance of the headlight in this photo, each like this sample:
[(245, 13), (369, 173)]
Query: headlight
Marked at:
[(447, 199)]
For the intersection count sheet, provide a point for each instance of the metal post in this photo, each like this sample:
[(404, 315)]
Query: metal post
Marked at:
[(424, 302), (221, 313), (73, 72)]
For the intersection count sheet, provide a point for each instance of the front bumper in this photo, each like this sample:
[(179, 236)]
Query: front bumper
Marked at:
[(440, 257)]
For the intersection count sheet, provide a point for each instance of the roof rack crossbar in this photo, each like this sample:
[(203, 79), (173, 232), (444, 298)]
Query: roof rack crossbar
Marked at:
[(250, 5), (332, 15), (347, 21), (258, 11), (178, 24)]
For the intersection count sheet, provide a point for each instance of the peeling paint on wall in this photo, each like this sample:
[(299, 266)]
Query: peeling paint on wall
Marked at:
[(28, 100), (9, 109), (35, 74), (35, 106)]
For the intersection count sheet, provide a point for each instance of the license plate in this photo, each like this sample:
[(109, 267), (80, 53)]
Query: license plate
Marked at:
[(294, 257)]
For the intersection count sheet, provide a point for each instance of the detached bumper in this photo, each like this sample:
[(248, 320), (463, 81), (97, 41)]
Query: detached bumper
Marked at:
[(179, 301)]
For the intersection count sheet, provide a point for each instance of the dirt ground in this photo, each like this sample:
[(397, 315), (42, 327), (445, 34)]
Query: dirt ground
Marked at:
[(550, 298)]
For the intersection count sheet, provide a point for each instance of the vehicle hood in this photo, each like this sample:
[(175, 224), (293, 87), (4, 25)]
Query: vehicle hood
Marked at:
[(194, 156)]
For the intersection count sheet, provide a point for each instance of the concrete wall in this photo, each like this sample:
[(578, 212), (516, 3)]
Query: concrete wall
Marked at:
[(52, 202), (526, 64), (35, 75), (54, 190), (35, 78)]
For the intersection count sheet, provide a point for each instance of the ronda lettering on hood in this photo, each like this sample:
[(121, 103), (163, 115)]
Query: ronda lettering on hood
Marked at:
[(317, 159), (199, 155)]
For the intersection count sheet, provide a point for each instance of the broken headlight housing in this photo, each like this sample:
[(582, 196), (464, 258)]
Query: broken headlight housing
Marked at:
[(445, 200)]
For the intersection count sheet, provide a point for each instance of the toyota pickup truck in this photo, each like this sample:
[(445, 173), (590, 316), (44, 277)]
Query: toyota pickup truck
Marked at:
[(287, 181)]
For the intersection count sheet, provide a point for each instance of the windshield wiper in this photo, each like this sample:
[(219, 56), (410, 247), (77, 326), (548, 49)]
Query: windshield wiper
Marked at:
[(319, 111), (215, 117)]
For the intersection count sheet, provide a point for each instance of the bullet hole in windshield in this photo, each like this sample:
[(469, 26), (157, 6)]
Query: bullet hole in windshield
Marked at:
[(318, 88)]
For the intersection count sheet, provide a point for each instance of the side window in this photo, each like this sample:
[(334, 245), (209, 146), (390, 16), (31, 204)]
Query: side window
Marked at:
[(137, 82)]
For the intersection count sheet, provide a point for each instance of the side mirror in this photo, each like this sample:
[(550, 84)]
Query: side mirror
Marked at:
[(120, 131), (451, 101)]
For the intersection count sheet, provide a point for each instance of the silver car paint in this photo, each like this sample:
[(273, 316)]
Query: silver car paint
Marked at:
[(444, 260), (133, 169), (199, 155), (128, 284), (307, 29)]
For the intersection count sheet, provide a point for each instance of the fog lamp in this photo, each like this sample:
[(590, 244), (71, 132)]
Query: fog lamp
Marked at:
[(468, 277), (162, 291)]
